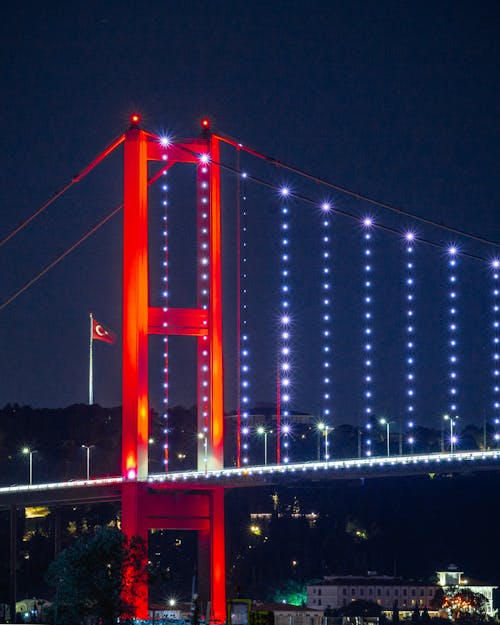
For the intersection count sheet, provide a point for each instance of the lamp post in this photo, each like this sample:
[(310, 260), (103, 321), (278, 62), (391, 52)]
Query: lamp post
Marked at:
[(88, 448), (319, 429), (453, 439), (323, 429), (327, 444), (385, 422), (445, 418), (26, 450), (261, 431), (203, 437)]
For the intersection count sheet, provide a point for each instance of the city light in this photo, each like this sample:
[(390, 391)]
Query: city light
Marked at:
[(323, 430), (88, 448), (387, 424), (453, 438), (261, 431), (30, 452)]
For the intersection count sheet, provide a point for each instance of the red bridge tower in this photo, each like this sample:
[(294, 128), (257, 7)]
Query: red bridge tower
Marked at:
[(145, 506)]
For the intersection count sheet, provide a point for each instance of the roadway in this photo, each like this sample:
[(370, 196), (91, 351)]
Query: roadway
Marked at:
[(109, 489)]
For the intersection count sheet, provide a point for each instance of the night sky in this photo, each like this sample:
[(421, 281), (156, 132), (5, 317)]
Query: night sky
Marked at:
[(395, 100)]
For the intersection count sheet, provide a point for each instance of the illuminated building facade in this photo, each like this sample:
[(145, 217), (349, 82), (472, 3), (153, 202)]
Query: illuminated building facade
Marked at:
[(388, 591)]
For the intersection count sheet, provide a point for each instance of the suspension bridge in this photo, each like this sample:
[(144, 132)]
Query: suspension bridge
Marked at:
[(350, 307)]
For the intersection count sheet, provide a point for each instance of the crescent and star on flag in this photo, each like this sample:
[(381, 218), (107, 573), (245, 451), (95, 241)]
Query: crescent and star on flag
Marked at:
[(101, 333)]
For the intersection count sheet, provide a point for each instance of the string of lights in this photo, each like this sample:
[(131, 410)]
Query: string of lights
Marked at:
[(379, 225), (453, 336), (326, 376), (409, 251), (244, 336), (165, 296), (284, 359), (367, 296), (203, 295), (495, 309)]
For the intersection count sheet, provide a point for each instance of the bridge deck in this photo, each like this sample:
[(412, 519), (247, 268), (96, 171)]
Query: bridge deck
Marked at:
[(109, 489)]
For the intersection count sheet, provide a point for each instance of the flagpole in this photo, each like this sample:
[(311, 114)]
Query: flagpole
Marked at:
[(91, 373)]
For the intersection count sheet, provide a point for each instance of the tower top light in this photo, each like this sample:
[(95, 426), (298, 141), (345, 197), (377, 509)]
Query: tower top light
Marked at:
[(205, 123), (135, 118)]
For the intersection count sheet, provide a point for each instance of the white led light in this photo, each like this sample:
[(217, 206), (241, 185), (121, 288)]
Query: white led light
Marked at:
[(367, 330), (410, 312), (495, 356), (453, 359), (283, 380)]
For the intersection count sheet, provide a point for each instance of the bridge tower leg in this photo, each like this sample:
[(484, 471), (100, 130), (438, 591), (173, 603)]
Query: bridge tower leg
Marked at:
[(143, 506)]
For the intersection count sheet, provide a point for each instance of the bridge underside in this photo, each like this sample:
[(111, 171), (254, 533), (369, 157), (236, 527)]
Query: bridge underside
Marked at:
[(176, 509)]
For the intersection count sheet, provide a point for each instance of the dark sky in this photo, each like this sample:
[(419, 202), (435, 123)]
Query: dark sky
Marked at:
[(396, 100)]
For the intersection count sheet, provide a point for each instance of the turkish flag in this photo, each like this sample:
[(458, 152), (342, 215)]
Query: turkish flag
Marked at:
[(100, 333)]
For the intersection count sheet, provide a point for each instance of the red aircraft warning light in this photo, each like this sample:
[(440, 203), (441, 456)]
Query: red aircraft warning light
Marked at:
[(205, 123), (135, 119)]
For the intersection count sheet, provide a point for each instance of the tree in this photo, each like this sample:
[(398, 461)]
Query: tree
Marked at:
[(360, 608), (95, 578), (462, 602)]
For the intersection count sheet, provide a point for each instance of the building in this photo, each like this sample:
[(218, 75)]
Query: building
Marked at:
[(337, 591), (286, 614), (388, 591), (452, 577)]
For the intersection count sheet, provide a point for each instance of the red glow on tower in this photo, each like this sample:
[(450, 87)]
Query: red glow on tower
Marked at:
[(141, 509)]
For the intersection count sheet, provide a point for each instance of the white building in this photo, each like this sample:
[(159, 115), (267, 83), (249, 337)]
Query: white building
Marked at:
[(453, 578), (337, 591)]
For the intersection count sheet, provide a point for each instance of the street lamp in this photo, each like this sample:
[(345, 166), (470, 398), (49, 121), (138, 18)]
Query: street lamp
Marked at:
[(385, 422), (88, 448), (323, 430), (261, 431), (411, 442), (26, 450), (453, 439), (203, 437), (319, 427)]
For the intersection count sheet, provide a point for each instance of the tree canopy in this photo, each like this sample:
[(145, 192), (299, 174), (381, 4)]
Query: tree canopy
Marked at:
[(94, 578), (462, 602)]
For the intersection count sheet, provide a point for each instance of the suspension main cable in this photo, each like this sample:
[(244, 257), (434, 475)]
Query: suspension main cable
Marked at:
[(345, 213), (65, 188), (355, 194)]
